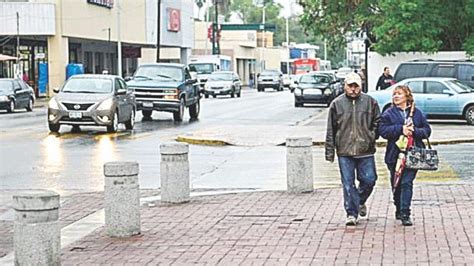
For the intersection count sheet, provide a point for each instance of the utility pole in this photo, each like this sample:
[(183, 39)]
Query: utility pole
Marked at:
[(263, 39), (158, 30), (215, 29), (287, 46), (119, 42), (207, 25), (109, 62), (18, 44)]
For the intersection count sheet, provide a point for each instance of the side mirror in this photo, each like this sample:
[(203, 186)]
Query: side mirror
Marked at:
[(191, 81), (128, 78), (296, 82), (56, 90), (446, 91), (121, 92)]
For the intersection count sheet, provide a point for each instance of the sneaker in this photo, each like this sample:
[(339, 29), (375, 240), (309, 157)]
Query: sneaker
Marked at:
[(398, 215), (362, 210), (351, 220), (406, 221)]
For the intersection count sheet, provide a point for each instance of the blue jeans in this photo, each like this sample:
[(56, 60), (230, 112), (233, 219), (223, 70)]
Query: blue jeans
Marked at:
[(404, 192), (366, 175)]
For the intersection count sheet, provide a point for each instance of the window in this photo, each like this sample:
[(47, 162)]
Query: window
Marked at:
[(466, 72), (405, 71), (416, 86), (444, 71), (17, 85), (434, 87)]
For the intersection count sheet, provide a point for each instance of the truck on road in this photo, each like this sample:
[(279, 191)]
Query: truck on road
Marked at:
[(204, 65)]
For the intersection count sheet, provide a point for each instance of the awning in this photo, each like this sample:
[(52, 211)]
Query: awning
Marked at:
[(6, 57)]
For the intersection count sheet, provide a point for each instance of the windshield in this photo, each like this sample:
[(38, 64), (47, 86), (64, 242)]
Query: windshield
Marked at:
[(88, 85), (166, 73), (460, 87), (221, 76), (268, 74), (314, 79), (205, 68), (5, 85)]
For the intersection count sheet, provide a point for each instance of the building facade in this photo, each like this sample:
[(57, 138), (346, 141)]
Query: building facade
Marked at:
[(53, 34)]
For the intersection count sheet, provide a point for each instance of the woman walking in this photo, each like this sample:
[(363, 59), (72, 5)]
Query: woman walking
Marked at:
[(402, 119)]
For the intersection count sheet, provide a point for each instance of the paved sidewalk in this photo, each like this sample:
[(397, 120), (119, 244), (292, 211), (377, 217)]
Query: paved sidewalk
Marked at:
[(279, 228)]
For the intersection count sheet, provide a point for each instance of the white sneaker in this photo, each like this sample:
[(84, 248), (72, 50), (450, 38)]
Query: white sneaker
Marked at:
[(351, 220)]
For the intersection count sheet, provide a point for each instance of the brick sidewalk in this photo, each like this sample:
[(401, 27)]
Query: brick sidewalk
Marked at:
[(278, 228)]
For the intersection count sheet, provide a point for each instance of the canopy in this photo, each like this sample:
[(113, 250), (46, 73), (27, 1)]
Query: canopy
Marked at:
[(6, 57)]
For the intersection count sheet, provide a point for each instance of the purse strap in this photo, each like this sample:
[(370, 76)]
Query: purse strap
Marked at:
[(412, 111)]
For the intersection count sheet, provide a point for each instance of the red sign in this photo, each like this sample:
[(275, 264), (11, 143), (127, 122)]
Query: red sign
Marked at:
[(174, 19)]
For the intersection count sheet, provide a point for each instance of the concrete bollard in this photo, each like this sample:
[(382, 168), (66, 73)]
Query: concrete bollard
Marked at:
[(122, 199), (174, 172), (299, 165), (37, 233)]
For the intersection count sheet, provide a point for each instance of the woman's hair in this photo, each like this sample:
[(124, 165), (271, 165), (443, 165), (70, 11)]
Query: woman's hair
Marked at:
[(407, 91)]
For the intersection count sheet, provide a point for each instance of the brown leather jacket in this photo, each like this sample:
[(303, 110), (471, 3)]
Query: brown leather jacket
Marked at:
[(352, 126)]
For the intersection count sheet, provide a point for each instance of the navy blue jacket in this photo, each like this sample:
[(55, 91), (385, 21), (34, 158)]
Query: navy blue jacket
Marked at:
[(391, 128)]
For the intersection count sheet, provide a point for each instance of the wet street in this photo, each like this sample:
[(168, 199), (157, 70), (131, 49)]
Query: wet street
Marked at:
[(31, 157)]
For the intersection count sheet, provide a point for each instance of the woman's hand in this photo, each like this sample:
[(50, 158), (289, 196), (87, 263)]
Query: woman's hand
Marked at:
[(408, 129)]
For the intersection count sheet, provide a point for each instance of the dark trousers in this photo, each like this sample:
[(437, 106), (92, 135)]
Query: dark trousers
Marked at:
[(404, 192), (366, 175)]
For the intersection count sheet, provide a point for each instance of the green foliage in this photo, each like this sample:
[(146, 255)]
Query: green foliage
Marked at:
[(394, 25)]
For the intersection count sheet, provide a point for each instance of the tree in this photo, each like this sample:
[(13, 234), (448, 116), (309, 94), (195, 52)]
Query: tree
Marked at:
[(394, 25)]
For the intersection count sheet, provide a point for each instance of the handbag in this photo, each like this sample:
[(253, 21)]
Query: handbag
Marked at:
[(419, 158)]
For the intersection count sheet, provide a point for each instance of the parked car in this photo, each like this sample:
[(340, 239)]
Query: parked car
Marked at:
[(315, 88), (342, 72), (338, 83), (16, 94), (222, 83), (286, 79), (270, 79), (166, 87), (436, 97), (461, 70), (92, 100)]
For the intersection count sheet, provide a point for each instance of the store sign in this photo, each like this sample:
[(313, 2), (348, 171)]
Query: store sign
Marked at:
[(104, 3), (174, 19), (40, 56), (131, 52)]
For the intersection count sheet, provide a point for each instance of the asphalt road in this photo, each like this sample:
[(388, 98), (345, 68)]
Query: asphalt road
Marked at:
[(31, 157)]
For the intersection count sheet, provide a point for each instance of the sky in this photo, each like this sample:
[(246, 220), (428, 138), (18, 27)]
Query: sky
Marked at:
[(234, 19)]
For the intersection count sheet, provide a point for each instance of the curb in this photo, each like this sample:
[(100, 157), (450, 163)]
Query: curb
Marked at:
[(205, 142), (213, 142)]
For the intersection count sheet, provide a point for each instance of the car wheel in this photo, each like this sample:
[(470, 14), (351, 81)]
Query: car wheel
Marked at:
[(232, 94), (11, 108), (114, 127), (54, 127), (297, 104), (238, 94), (178, 116), (194, 110), (214, 96), (146, 113), (131, 122), (29, 107), (206, 96), (470, 115)]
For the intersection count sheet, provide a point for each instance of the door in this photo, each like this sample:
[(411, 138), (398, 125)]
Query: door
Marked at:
[(416, 88), (189, 88), (121, 94), (440, 100), (21, 94), (129, 97)]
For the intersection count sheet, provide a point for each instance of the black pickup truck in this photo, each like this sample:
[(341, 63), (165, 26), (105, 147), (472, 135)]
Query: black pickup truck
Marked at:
[(165, 87)]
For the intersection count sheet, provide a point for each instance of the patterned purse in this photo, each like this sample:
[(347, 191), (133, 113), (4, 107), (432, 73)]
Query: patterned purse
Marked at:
[(422, 159)]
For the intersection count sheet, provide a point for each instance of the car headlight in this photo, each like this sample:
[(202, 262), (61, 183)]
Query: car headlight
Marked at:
[(106, 105), (4, 99), (53, 104), (227, 87), (327, 92), (298, 92)]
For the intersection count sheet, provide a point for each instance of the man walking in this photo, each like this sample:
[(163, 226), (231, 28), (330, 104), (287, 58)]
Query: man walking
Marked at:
[(351, 131), (386, 80)]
